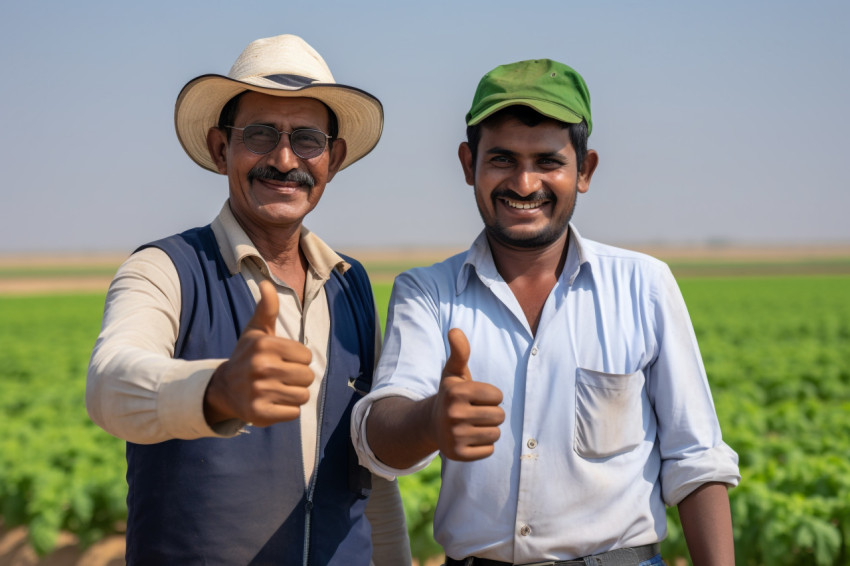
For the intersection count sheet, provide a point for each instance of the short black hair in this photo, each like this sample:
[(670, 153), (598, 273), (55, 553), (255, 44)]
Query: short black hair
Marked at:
[(530, 117), (227, 117)]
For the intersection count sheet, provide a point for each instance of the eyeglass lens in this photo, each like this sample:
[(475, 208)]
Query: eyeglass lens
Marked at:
[(306, 143)]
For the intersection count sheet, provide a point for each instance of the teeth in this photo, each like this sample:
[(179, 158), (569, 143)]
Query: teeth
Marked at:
[(524, 205)]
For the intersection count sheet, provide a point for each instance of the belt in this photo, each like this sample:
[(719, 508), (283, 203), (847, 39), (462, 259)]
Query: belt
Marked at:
[(620, 557)]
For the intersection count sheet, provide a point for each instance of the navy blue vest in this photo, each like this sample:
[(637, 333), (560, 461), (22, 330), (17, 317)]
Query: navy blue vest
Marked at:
[(242, 500)]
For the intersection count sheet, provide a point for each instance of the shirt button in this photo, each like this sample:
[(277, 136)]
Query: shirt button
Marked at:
[(534, 351), (525, 530), (531, 443)]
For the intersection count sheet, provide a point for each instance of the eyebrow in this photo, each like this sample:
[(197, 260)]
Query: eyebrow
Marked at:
[(275, 126), (510, 153)]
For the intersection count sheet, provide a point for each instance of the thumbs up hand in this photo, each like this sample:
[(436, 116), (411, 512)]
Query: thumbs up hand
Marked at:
[(267, 377), (466, 413)]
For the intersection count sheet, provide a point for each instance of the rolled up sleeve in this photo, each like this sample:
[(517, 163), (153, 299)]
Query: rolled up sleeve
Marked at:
[(679, 478), (359, 418)]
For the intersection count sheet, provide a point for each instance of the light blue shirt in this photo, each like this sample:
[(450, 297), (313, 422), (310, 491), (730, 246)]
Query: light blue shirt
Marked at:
[(608, 411)]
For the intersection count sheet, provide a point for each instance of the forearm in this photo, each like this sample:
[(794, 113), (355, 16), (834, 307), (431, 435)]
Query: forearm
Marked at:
[(707, 525), (400, 432)]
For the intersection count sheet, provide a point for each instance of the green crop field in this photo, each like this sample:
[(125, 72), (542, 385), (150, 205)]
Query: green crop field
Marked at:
[(776, 349), (57, 470)]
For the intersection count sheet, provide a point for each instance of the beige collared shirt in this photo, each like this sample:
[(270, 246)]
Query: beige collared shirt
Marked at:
[(138, 392)]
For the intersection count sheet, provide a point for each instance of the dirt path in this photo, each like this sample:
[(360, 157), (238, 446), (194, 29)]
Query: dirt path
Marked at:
[(15, 550), (41, 274)]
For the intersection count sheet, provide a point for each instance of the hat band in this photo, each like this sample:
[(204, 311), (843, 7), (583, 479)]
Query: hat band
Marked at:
[(292, 81)]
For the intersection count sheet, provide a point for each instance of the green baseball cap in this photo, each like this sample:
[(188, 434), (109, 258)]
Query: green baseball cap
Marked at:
[(551, 88)]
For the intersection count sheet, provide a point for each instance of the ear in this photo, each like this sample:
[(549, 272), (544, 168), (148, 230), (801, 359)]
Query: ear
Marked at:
[(337, 155), (217, 146), (591, 160), (466, 161)]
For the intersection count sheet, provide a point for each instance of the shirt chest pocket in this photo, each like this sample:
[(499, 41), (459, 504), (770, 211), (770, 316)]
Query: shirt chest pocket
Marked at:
[(609, 413)]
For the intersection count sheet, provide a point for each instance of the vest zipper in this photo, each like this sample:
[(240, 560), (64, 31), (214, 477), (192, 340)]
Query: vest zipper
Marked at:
[(311, 488)]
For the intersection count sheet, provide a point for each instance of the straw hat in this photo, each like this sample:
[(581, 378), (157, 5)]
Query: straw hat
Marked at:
[(280, 66)]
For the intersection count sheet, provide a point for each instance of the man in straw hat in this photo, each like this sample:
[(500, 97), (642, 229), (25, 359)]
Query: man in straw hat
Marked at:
[(558, 377), (231, 355)]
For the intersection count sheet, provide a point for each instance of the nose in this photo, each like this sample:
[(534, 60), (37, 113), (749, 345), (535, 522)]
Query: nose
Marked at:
[(526, 182), (282, 157)]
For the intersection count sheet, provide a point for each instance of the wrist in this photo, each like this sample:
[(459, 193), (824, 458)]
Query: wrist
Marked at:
[(216, 408)]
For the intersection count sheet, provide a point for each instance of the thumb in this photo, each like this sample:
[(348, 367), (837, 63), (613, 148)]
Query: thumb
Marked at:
[(456, 365), (265, 315)]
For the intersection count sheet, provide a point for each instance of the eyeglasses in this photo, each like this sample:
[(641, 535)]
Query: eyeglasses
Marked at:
[(306, 143)]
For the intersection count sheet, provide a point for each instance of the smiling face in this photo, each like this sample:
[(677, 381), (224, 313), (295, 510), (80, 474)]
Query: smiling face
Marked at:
[(277, 189), (526, 180)]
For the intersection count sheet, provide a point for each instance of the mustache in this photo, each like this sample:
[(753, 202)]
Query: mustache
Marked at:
[(266, 173), (536, 195)]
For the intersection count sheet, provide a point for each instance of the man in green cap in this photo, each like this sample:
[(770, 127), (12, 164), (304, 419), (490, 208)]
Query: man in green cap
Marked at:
[(559, 378)]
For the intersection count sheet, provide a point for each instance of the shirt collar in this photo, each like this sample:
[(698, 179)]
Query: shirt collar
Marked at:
[(236, 247), (480, 260), (578, 254)]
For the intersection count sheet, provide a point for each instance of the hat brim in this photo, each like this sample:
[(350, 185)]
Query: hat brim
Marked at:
[(360, 115), (550, 109)]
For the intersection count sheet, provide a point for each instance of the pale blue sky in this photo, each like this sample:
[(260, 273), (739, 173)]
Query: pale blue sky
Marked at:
[(715, 121)]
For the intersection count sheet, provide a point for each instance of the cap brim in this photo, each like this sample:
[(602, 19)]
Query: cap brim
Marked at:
[(550, 109), (360, 115)]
